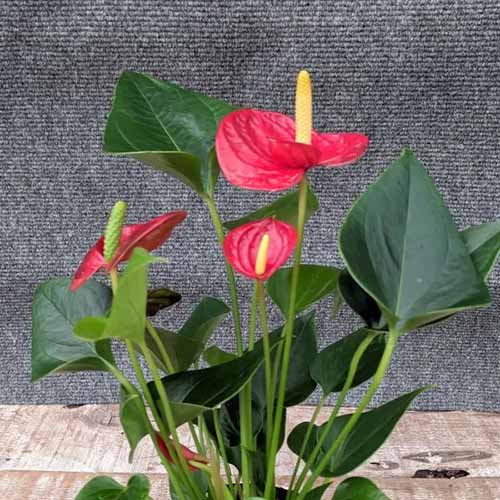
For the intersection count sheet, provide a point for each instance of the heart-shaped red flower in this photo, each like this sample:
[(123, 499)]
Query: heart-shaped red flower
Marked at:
[(188, 454), (257, 150), (148, 235), (242, 244)]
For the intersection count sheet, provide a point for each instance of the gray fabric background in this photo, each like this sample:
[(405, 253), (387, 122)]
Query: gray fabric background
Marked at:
[(408, 73)]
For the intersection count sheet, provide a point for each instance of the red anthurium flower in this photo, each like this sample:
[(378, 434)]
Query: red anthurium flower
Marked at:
[(257, 150), (258, 249), (188, 454), (269, 151), (149, 235)]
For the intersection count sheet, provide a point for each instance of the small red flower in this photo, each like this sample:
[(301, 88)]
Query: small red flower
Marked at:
[(243, 244), (149, 235), (188, 454), (257, 150)]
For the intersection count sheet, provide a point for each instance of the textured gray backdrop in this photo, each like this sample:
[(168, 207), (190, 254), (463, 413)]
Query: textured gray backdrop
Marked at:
[(408, 73)]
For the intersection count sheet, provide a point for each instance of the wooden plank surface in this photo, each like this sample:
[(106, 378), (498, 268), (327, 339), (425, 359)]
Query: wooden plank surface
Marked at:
[(48, 452)]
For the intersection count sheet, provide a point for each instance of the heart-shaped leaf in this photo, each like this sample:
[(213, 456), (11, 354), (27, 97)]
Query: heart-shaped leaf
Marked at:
[(330, 367), (315, 283), (159, 299), (483, 244), (193, 392), (106, 488), (55, 312), (132, 419), (127, 319), (358, 488), (167, 127), (285, 208), (216, 356), (400, 244), (369, 433)]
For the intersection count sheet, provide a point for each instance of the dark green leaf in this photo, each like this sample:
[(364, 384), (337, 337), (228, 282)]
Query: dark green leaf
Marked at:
[(358, 488), (127, 319), (483, 244), (200, 478), (400, 244), (132, 419), (315, 283), (317, 493), (300, 385), (204, 319), (330, 367), (369, 434), (284, 209), (55, 312), (191, 393), (161, 298), (165, 126), (181, 350), (106, 488), (359, 301), (216, 356)]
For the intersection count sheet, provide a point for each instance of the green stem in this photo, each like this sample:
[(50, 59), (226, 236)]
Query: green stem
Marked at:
[(310, 427), (219, 229), (164, 354), (353, 367), (377, 378), (222, 449), (261, 298), (288, 335)]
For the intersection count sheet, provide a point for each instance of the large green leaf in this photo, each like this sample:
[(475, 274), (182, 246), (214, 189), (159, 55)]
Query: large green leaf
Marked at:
[(191, 393), (369, 434), (132, 419), (106, 488), (215, 356), (284, 208), (330, 367), (315, 283), (400, 244), (55, 312), (127, 319), (483, 244), (358, 488), (167, 127)]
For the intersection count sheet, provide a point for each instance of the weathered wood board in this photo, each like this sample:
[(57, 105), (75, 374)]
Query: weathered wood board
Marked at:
[(48, 452)]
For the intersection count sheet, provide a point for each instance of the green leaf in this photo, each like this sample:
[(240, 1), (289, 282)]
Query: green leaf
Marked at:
[(127, 319), (132, 419), (200, 478), (216, 356), (315, 283), (360, 302), (106, 488), (400, 244), (317, 493), (358, 488), (204, 320), (55, 312), (483, 244), (191, 393), (330, 367), (284, 209), (159, 299), (369, 434), (167, 127)]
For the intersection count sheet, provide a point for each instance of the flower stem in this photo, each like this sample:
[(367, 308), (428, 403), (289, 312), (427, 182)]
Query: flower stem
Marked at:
[(353, 367), (261, 297), (164, 354), (288, 335), (219, 229), (222, 449), (377, 378)]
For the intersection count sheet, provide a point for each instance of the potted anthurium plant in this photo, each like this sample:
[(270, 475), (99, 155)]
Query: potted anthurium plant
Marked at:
[(405, 266)]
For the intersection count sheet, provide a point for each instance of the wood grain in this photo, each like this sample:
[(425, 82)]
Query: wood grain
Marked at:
[(48, 452)]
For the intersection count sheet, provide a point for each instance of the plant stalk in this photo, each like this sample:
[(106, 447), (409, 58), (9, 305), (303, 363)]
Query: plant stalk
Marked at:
[(288, 335)]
